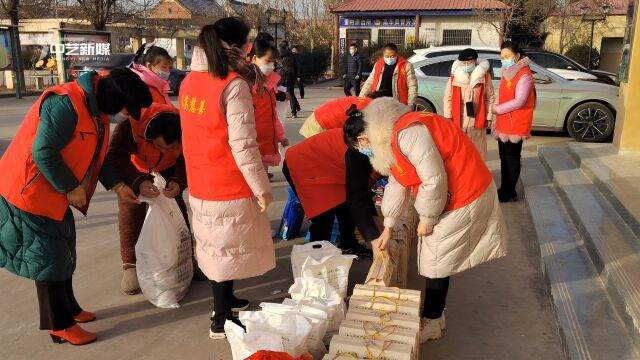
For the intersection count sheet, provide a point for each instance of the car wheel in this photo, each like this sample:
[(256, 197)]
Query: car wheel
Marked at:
[(424, 105), (591, 122)]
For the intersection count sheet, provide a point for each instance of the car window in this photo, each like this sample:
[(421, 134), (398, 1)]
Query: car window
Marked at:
[(550, 61), (440, 69)]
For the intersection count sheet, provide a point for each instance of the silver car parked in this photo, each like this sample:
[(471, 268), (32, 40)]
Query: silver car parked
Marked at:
[(585, 109)]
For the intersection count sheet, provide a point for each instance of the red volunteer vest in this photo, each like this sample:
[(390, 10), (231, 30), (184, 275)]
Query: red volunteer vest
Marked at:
[(212, 172), (147, 158), (265, 113), (22, 183), (332, 115), (467, 175), (403, 90), (318, 171), (457, 105), (518, 122)]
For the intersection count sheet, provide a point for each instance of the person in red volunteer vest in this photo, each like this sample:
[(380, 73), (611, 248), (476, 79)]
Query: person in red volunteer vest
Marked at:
[(469, 96), (137, 149), (153, 64), (53, 163), (229, 191), (316, 171), (461, 224), (514, 116), (333, 113), (270, 132), (394, 75)]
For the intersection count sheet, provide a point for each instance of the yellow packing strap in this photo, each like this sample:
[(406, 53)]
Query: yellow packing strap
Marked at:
[(380, 349), (397, 289), (343, 354), (394, 302), (378, 332)]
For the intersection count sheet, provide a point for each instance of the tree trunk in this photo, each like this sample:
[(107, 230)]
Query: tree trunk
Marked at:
[(19, 66)]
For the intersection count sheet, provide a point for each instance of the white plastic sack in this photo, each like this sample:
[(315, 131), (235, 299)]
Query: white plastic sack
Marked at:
[(318, 317), (282, 106), (315, 249), (244, 344), (163, 251), (311, 287), (293, 328), (319, 294), (333, 269)]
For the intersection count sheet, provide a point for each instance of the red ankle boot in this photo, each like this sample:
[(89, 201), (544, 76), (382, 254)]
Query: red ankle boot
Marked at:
[(85, 317), (75, 335)]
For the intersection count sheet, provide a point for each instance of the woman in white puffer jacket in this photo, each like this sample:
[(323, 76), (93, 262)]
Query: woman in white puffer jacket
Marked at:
[(461, 224)]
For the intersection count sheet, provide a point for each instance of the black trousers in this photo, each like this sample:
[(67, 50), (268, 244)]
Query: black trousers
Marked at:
[(295, 105), (222, 301), (509, 168), (322, 225), (57, 304), (351, 82), (435, 297), (301, 87)]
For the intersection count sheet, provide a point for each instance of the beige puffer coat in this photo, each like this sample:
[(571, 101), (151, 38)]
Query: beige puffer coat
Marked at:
[(412, 85), (462, 238), (468, 83), (233, 238)]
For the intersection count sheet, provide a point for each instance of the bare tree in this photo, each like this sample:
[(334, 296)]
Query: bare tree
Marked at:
[(14, 10), (519, 18), (101, 12)]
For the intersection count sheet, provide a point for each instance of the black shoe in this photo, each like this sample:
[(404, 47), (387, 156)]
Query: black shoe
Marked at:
[(216, 331), (294, 115), (239, 304), (359, 251), (507, 197)]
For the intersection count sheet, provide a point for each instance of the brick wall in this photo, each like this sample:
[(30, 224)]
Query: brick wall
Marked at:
[(170, 9)]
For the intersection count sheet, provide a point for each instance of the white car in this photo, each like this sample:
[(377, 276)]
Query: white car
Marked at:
[(556, 63)]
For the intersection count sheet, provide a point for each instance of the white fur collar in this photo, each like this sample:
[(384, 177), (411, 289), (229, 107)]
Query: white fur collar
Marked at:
[(476, 77), (380, 116)]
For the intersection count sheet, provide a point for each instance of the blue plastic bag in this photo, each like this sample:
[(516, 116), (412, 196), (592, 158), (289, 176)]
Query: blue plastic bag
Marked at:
[(291, 218)]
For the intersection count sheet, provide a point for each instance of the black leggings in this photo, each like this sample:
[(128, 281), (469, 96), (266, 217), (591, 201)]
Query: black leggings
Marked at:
[(57, 303), (222, 301), (509, 167), (435, 297), (322, 225)]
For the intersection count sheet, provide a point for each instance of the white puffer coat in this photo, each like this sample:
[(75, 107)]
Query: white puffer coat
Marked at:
[(462, 238)]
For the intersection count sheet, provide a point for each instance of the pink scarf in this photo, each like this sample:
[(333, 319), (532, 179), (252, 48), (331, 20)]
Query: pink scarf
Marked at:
[(152, 80)]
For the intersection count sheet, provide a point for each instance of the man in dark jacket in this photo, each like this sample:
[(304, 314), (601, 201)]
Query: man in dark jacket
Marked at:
[(353, 74), (288, 72), (300, 76)]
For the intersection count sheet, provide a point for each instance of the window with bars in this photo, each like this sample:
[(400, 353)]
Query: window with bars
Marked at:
[(456, 37), (395, 36)]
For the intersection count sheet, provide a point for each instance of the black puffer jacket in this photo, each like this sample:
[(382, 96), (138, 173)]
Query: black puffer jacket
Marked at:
[(288, 66)]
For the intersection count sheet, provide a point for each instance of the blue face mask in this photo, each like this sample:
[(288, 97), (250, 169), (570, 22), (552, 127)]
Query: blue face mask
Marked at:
[(117, 118), (390, 60), (163, 75), (468, 69), (508, 63), (366, 152)]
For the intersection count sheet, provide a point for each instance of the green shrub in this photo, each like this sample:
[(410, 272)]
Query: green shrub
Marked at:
[(580, 53), (315, 62)]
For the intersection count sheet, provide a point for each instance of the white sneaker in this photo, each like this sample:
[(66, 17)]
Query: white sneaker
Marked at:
[(430, 329), (216, 335), (443, 323)]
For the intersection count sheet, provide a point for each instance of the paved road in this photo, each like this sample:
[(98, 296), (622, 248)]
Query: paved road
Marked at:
[(498, 311)]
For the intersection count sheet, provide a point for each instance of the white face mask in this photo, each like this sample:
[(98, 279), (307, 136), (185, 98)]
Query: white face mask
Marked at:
[(390, 60), (267, 69), (352, 52)]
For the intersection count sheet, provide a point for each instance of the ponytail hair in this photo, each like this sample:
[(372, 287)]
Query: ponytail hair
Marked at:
[(149, 53), (222, 43), (216, 57)]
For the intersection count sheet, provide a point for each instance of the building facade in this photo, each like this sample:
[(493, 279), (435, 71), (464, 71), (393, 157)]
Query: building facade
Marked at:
[(418, 22), (566, 28)]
